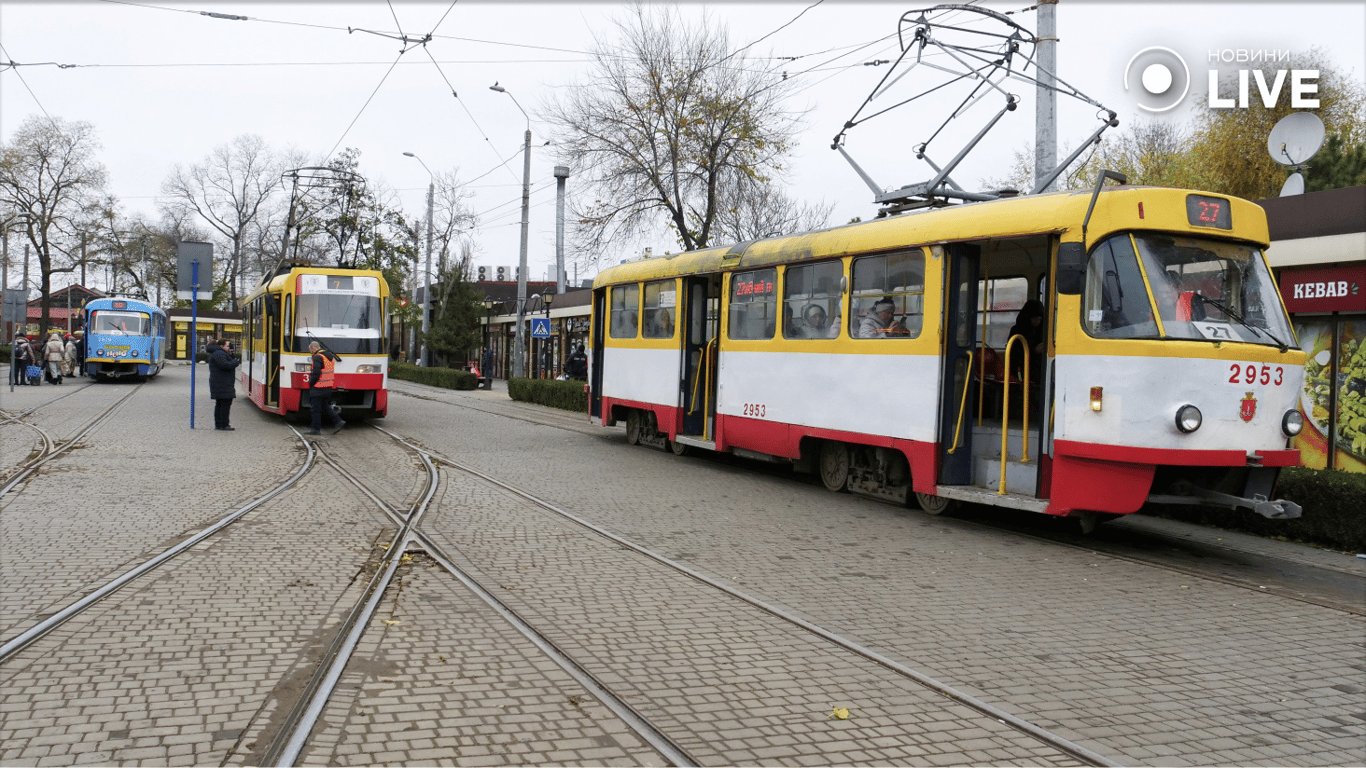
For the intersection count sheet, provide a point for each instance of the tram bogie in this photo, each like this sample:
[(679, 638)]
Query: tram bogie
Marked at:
[(124, 338), (882, 356), (344, 310)]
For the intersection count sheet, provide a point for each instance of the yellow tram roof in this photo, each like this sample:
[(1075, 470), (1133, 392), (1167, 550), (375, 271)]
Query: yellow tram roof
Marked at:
[(279, 282), (1117, 208)]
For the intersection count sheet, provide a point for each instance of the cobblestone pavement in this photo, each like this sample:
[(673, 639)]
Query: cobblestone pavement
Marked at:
[(448, 683), (199, 662), (1136, 662), (138, 483), (177, 666)]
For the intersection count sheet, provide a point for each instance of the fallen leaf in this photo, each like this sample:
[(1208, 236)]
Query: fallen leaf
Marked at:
[(839, 713)]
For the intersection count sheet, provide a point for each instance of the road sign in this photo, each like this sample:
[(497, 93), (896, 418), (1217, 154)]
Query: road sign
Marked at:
[(540, 327), (187, 254)]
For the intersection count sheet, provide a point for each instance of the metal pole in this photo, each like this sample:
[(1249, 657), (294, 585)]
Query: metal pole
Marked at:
[(1045, 112), (194, 317), (561, 174), (519, 354), (427, 289)]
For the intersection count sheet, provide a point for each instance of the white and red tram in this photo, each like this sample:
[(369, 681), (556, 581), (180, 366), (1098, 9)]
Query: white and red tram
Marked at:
[(342, 309), (1168, 372)]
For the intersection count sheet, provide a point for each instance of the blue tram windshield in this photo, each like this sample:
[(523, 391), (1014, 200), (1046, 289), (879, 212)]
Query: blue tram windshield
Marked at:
[(120, 323), (344, 322)]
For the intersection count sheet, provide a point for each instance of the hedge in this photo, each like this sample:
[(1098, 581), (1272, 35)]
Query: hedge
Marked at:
[(446, 378), (1334, 513), (554, 393)]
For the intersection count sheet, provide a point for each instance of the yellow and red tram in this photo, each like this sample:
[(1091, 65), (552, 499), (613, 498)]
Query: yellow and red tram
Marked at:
[(342, 309), (878, 354)]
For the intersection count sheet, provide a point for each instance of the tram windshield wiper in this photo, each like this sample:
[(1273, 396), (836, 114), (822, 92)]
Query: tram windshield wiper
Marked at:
[(1222, 307)]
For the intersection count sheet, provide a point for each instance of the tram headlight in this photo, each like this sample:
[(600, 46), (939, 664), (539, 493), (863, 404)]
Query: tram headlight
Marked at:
[(1292, 422), (303, 367), (1188, 418), (367, 369)]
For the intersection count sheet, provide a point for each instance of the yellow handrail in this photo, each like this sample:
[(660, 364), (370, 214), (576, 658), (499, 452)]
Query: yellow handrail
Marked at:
[(963, 404), (1005, 409), (697, 379), (706, 424)]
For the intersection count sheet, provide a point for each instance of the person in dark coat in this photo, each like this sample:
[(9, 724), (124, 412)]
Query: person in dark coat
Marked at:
[(486, 367), (1029, 324), (222, 384), (577, 365)]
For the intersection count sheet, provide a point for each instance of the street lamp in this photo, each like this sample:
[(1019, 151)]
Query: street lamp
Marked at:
[(519, 353), (427, 273)]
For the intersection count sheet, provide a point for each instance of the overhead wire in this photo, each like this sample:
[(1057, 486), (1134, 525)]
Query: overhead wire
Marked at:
[(36, 100)]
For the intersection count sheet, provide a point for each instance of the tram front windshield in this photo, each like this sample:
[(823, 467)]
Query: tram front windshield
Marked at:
[(114, 323), (1207, 290), (344, 322)]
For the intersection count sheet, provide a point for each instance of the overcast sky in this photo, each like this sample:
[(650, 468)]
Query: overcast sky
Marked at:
[(163, 83)]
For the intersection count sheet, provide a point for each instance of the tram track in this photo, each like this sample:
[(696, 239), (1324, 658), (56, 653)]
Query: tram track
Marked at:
[(409, 540), (1033, 731), (51, 448), (15, 645)]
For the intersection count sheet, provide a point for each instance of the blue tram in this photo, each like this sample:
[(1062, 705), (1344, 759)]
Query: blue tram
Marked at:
[(124, 337)]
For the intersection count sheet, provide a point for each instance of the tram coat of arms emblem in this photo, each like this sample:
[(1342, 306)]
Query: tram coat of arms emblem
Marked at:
[(1249, 408)]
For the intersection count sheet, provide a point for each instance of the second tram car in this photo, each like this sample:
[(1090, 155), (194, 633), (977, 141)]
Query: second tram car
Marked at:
[(124, 338), (342, 309), (880, 354)]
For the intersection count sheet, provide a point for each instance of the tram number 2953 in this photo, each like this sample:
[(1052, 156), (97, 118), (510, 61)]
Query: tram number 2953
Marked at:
[(1251, 374), (757, 410)]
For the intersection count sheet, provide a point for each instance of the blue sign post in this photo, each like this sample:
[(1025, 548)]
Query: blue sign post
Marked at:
[(194, 260), (540, 327)]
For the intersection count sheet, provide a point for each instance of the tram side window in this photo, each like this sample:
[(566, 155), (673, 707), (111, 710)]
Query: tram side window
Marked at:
[(1005, 296), (625, 306), (258, 326), (1116, 303), (888, 298), (753, 304), (811, 301), (661, 299)]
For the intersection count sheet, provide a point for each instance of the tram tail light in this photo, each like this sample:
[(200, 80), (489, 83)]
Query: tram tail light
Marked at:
[(1097, 394)]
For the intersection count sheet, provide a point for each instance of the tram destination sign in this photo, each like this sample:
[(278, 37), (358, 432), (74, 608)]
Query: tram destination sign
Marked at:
[(186, 256)]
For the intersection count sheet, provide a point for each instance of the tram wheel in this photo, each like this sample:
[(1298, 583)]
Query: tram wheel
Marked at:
[(835, 465), (934, 505), (680, 449), (633, 427)]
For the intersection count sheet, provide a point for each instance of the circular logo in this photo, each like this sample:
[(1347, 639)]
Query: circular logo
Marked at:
[(1162, 75)]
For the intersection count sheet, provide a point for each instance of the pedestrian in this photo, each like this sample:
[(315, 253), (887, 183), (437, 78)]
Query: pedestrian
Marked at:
[(53, 352), (69, 356), (80, 351), (577, 365), (35, 358), (222, 363), (320, 383), (20, 360), (486, 367)]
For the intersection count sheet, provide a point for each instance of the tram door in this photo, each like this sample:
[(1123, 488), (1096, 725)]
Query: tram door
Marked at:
[(697, 394), (960, 343), (595, 356), (272, 340)]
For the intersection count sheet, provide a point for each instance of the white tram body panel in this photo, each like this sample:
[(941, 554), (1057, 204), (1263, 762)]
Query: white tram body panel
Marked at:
[(642, 375), (886, 395), (1141, 395)]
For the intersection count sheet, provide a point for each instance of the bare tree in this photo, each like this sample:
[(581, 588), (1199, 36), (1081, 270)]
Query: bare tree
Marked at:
[(670, 116), (50, 178), (230, 190), (751, 212)]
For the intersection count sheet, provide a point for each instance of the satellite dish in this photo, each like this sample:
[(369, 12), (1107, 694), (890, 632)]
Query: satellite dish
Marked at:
[(1293, 185), (1295, 138)]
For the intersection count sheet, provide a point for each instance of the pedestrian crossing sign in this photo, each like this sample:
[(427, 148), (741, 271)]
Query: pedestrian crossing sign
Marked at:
[(540, 328)]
